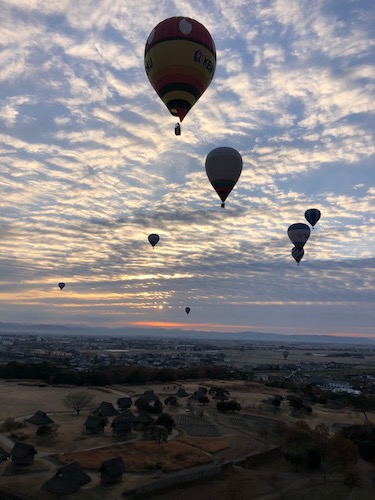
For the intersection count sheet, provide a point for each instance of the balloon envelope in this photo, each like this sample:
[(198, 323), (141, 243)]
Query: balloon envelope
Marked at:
[(180, 62), (223, 168), (312, 216), (187, 309), (299, 233), (61, 285), (297, 254), (153, 239)]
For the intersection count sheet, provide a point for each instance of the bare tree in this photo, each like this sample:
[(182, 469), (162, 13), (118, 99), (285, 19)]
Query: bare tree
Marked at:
[(79, 400)]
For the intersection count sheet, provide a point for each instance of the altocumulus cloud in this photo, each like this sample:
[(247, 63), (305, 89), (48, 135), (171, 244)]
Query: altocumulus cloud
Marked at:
[(90, 166)]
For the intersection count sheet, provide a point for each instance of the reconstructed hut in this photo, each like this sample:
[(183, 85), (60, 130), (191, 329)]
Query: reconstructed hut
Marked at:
[(112, 470), (40, 418), (143, 420), (122, 425), (106, 409), (124, 403), (181, 393), (22, 453), (150, 396), (95, 424), (67, 480)]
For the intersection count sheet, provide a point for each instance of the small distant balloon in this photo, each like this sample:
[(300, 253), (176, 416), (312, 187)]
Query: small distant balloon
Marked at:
[(299, 233), (153, 239), (187, 310), (223, 169), (61, 285), (297, 254), (312, 215)]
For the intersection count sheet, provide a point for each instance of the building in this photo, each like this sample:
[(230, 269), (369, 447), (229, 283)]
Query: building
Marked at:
[(124, 403), (112, 470), (122, 425), (22, 453), (106, 409), (67, 480), (95, 424), (40, 418)]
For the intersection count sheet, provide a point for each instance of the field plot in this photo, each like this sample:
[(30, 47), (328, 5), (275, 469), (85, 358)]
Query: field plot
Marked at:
[(141, 456), (194, 426), (238, 422)]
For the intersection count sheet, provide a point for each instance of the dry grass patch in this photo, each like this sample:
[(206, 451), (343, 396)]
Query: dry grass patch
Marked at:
[(209, 445), (141, 456)]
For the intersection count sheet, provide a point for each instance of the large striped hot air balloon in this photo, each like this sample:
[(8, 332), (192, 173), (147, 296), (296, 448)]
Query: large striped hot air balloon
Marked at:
[(223, 168), (180, 62), (299, 233)]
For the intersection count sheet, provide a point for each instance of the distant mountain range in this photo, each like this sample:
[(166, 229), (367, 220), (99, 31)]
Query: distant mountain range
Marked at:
[(21, 328)]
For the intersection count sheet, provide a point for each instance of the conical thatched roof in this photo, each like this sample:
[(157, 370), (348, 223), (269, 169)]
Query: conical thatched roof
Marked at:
[(40, 418), (22, 450), (67, 480), (143, 418), (181, 393), (150, 396), (106, 409), (114, 466)]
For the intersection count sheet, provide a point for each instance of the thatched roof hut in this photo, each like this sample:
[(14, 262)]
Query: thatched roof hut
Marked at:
[(67, 480), (122, 425), (40, 418), (124, 403), (112, 470), (22, 453), (106, 409), (95, 424), (150, 396)]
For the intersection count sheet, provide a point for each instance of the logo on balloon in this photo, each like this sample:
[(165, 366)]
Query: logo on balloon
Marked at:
[(198, 56), (149, 65)]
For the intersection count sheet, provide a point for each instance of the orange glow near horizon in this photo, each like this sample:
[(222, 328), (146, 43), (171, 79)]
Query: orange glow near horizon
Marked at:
[(214, 327)]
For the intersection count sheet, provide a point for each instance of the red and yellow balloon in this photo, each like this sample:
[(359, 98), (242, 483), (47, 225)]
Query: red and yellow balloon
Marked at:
[(180, 62)]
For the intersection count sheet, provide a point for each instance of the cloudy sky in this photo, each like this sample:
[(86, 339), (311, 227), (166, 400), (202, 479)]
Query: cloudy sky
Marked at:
[(90, 166)]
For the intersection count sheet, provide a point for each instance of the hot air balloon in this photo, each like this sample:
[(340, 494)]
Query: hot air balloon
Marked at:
[(312, 216), (61, 285), (180, 62), (153, 239), (299, 233), (223, 168), (187, 310), (297, 254)]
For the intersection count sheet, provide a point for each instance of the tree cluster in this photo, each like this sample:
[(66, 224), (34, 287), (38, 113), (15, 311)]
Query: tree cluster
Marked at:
[(52, 373), (232, 406), (364, 437), (306, 447)]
